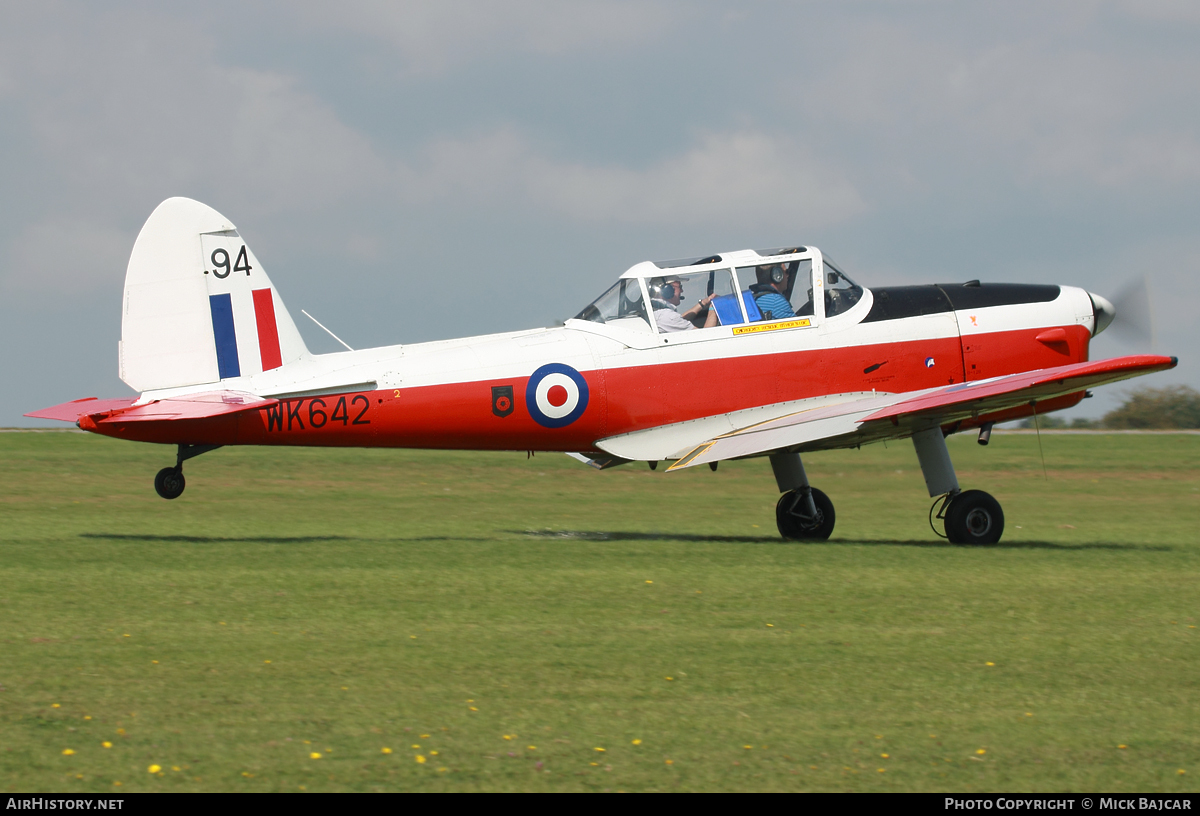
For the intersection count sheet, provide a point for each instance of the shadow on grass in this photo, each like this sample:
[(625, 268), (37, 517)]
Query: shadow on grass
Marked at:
[(263, 539), (599, 535)]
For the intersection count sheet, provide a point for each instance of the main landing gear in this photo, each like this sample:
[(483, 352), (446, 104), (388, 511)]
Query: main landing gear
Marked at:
[(969, 517), (169, 482), (803, 512)]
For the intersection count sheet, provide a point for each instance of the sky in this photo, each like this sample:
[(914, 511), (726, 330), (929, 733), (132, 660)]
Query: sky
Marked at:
[(412, 171)]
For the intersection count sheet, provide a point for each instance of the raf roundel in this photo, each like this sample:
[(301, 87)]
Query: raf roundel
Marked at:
[(556, 395)]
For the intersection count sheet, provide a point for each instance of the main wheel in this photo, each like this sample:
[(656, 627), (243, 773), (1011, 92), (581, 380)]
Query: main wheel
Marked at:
[(794, 520), (169, 482), (974, 517)]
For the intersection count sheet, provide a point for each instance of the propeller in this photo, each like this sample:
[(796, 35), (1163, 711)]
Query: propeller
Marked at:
[(1129, 314)]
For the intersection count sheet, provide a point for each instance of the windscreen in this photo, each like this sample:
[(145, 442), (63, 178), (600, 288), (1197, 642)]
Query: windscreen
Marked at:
[(622, 304), (841, 293)]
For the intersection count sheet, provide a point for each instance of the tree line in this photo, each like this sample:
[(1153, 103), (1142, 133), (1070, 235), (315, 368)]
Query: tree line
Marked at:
[(1159, 409)]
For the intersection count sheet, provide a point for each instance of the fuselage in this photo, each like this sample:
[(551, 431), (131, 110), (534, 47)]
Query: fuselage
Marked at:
[(568, 387)]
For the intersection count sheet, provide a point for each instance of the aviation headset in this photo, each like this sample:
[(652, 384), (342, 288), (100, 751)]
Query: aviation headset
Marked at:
[(659, 289)]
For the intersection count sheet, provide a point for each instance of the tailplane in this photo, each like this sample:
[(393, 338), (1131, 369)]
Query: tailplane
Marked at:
[(198, 306)]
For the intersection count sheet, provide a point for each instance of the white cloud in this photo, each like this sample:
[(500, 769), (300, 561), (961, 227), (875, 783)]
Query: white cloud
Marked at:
[(727, 178), (434, 36), (1045, 105)]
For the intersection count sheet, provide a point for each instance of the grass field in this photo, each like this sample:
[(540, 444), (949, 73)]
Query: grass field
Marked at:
[(396, 620)]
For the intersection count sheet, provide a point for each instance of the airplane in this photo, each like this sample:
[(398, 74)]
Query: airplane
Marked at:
[(771, 353)]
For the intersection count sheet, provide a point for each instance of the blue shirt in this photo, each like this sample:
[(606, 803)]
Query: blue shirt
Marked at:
[(773, 305)]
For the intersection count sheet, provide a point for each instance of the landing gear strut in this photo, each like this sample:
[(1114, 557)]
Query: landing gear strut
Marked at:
[(803, 512), (169, 482), (971, 516)]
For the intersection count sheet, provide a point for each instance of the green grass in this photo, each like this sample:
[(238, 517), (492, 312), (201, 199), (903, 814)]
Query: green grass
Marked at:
[(446, 600)]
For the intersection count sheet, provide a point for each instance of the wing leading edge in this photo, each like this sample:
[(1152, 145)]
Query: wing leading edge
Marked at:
[(893, 416)]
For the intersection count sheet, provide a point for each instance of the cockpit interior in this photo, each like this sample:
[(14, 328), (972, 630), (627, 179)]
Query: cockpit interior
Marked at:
[(739, 288)]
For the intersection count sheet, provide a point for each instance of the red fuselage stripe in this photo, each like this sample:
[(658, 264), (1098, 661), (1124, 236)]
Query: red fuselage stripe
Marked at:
[(461, 415), (268, 331)]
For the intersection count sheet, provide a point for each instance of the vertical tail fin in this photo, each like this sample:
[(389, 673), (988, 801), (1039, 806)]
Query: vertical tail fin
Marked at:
[(198, 306)]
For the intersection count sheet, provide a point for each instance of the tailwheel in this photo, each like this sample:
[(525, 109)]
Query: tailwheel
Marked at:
[(974, 517), (799, 520), (169, 482)]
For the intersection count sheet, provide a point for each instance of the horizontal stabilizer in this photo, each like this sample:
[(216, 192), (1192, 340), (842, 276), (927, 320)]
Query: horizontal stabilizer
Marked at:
[(72, 411), (89, 412), (192, 406)]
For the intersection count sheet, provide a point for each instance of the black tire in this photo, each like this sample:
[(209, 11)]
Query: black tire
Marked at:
[(974, 517), (169, 482), (793, 519)]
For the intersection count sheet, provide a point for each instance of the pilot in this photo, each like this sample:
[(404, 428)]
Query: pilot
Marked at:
[(665, 295), (769, 292)]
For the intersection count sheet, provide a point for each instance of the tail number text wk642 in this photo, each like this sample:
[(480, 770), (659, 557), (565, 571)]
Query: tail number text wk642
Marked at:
[(292, 414)]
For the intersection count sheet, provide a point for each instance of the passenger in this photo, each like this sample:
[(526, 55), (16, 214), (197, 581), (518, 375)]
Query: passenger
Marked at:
[(665, 295), (769, 292)]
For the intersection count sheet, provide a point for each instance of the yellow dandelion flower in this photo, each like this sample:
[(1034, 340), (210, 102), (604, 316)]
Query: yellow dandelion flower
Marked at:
[(385, 750), (67, 752), (989, 663), (55, 705), (1122, 747), (424, 736), (157, 768), (121, 732), (879, 736), (412, 637), (416, 746), (637, 742), (433, 753), (649, 582), (1181, 771), (771, 625), (420, 759), (176, 768), (508, 736), (668, 678), (670, 762), (265, 661), (87, 716), (118, 784), (472, 708), (106, 745), (594, 764), (885, 756), (881, 770), (1028, 713), (124, 635), (345, 688), (747, 747), (314, 755), (981, 751), (308, 742), (530, 747), (155, 662), (247, 774), (601, 750)]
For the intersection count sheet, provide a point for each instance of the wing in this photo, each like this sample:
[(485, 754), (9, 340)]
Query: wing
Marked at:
[(87, 413), (854, 422)]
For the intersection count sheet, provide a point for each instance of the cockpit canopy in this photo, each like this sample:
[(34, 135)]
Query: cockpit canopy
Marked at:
[(734, 289)]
